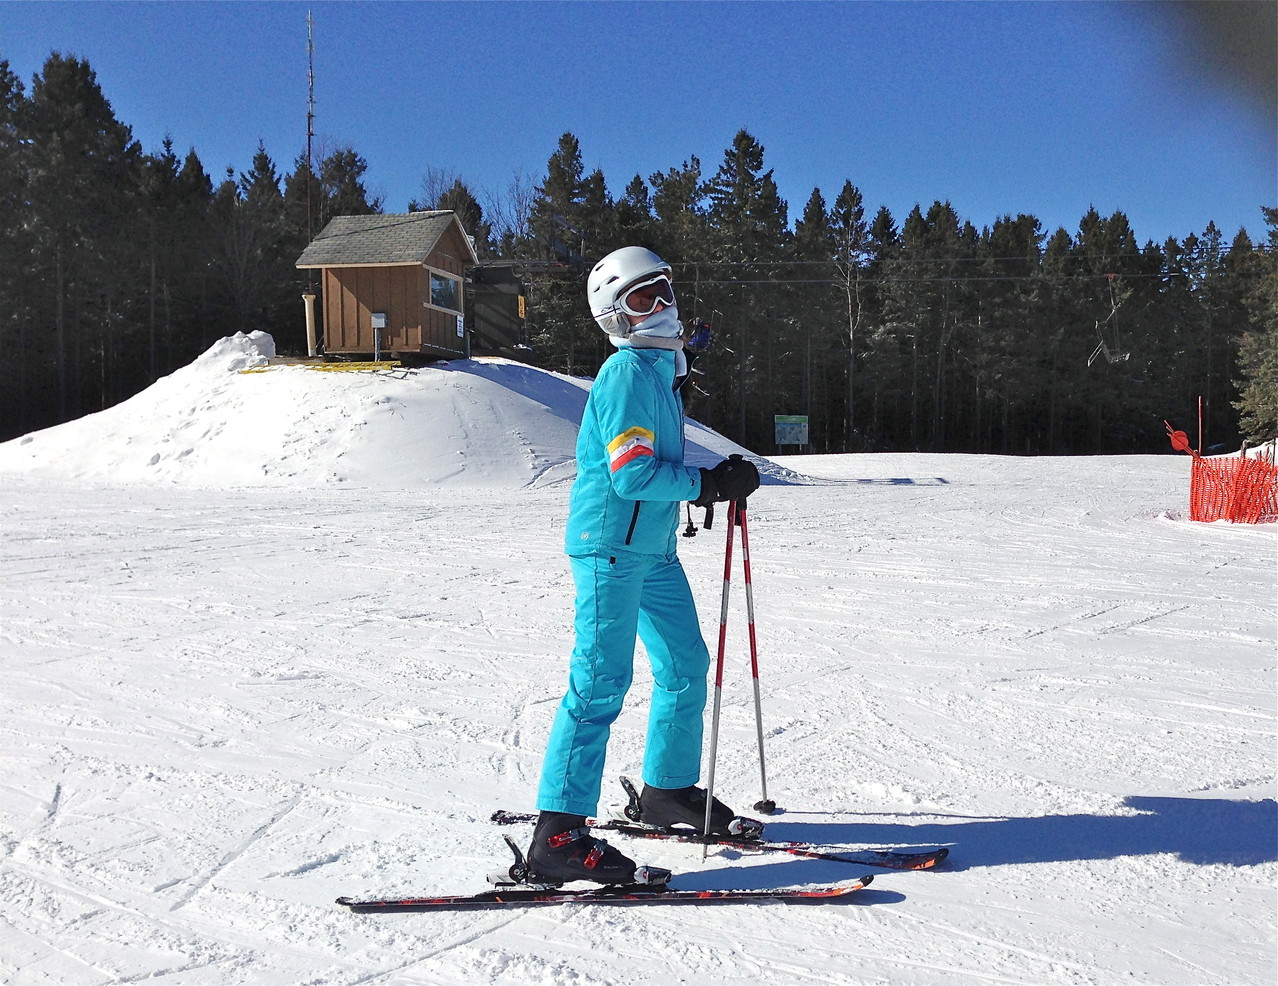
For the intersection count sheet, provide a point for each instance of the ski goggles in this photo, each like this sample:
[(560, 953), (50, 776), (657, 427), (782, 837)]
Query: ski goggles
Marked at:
[(644, 297)]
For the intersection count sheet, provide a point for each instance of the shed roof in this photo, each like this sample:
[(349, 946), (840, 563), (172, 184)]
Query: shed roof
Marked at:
[(407, 238)]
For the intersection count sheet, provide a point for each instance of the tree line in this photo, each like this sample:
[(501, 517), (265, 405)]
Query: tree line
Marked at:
[(913, 333)]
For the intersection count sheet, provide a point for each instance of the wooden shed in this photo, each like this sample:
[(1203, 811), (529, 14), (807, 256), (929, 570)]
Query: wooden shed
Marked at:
[(393, 284)]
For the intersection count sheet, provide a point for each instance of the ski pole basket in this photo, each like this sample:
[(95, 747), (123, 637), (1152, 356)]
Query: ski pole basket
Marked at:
[(1242, 489)]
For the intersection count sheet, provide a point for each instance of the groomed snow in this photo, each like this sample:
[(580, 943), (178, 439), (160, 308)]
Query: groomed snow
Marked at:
[(275, 637)]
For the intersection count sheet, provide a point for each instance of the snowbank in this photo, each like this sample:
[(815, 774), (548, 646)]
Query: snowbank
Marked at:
[(467, 423)]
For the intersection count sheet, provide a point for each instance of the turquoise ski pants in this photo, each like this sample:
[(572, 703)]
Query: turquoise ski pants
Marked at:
[(619, 598)]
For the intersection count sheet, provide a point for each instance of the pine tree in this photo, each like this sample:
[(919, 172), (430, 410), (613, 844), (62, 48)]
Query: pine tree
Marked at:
[(341, 187), (1220, 321), (749, 224), (1107, 251), (633, 217), (884, 346), (160, 184), (256, 253), (569, 221), (1011, 335), (816, 329), (445, 191), (746, 209), (84, 187), (678, 203), (851, 237), (458, 199), (303, 205), (1257, 400), (194, 244), (934, 307), (15, 245), (557, 221)]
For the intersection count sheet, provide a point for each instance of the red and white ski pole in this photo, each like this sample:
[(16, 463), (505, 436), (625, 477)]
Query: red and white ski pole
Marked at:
[(718, 672), (765, 805), (736, 515)]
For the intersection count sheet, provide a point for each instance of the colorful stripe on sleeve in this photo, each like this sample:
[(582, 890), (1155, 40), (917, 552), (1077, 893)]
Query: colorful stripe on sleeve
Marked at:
[(629, 445)]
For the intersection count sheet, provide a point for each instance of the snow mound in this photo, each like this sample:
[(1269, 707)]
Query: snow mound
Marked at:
[(468, 423)]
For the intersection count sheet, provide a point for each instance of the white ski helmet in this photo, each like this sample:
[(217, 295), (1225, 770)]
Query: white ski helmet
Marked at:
[(612, 278)]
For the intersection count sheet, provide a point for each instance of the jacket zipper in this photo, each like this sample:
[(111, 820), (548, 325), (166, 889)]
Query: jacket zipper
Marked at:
[(634, 519)]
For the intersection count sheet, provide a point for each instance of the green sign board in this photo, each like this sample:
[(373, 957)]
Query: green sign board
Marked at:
[(791, 429)]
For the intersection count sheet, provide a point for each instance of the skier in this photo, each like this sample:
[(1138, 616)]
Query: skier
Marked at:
[(620, 539)]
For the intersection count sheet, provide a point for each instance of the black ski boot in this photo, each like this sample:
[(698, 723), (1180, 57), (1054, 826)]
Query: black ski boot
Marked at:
[(668, 808), (563, 850)]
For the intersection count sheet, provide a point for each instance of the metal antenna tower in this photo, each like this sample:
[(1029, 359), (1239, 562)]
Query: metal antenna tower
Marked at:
[(310, 130)]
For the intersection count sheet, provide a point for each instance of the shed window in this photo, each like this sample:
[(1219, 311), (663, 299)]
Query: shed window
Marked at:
[(444, 292)]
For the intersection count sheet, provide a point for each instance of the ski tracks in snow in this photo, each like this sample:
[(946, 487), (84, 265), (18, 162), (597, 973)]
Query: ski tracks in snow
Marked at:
[(223, 710)]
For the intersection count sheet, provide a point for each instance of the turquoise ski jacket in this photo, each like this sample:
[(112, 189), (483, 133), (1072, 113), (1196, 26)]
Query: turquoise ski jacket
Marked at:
[(630, 472)]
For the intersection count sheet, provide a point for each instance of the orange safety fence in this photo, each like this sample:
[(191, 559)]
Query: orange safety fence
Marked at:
[(1242, 489)]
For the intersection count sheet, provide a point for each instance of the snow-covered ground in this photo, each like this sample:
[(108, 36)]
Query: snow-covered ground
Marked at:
[(276, 637)]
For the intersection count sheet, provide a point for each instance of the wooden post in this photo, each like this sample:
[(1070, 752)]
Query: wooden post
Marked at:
[(308, 298)]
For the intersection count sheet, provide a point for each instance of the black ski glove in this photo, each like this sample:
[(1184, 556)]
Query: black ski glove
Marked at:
[(734, 478)]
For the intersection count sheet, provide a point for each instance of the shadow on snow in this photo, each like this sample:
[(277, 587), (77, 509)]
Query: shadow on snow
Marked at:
[(1195, 830), (1205, 832)]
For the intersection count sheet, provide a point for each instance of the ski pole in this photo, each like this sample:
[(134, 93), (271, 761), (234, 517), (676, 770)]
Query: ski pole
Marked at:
[(718, 673), (765, 805)]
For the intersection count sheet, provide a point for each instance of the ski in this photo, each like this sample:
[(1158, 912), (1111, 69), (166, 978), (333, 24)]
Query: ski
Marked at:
[(639, 893), (892, 859)]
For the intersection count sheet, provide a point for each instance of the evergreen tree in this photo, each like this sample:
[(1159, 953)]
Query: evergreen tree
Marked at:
[(749, 224), (680, 234), (814, 313), (1059, 311), (341, 187), (569, 222), (1258, 353), (1106, 250), (932, 303), (84, 183), (313, 197), (1220, 321), (160, 184), (16, 380), (682, 231), (256, 253), (458, 199), (746, 209), (851, 236), (633, 216), (558, 220), (1011, 337), (303, 205), (883, 349), (445, 191), (194, 246)]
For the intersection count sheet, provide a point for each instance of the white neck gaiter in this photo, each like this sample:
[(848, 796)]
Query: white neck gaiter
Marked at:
[(660, 330)]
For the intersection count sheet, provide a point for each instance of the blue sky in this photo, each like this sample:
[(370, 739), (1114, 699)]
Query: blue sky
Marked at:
[(1000, 107)]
